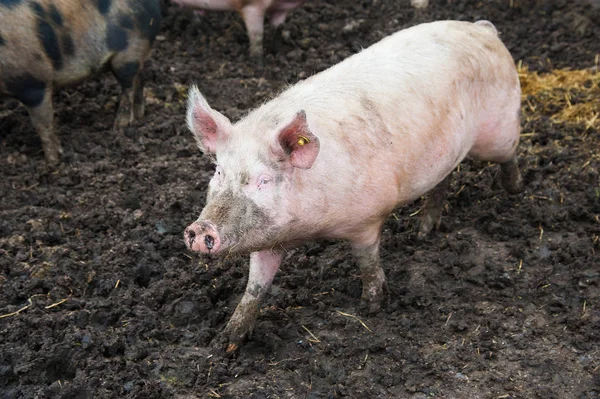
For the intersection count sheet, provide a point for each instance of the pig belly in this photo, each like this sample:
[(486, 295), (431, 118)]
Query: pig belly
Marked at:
[(491, 135), (77, 69), (418, 173)]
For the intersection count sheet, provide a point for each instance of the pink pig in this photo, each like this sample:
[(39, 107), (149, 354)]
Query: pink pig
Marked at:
[(253, 12), (332, 156)]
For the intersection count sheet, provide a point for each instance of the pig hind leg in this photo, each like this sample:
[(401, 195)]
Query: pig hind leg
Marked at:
[(500, 145), (277, 20), (127, 70), (42, 118), (138, 97), (432, 209), (366, 252), (510, 177)]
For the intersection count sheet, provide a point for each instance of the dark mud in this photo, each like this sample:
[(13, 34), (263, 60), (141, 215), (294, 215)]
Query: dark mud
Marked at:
[(502, 302)]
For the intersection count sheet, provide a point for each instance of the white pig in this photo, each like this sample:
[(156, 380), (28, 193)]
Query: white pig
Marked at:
[(332, 156), (253, 13)]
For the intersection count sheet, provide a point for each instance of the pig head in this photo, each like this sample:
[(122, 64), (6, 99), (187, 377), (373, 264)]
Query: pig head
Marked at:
[(248, 205)]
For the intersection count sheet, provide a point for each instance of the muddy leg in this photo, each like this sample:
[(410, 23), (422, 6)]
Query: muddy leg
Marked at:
[(42, 117), (126, 73), (510, 177), (277, 20), (432, 210), (254, 20), (366, 252), (263, 266), (138, 97), (277, 42)]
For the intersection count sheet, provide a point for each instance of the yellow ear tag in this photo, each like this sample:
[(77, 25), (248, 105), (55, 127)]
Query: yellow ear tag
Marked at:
[(303, 140)]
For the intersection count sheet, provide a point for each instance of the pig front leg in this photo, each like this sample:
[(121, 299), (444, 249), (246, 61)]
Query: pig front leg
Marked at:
[(254, 19), (263, 266), (432, 210), (42, 118), (366, 252)]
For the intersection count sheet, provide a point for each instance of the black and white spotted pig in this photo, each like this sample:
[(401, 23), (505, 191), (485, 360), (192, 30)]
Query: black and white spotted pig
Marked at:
[(47, 44)]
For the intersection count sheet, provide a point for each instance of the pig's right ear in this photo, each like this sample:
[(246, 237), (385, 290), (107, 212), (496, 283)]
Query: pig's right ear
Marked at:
[(208, 125)]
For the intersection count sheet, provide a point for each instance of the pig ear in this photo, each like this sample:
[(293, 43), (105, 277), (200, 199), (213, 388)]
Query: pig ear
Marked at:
[(298, 144), (208, 125)]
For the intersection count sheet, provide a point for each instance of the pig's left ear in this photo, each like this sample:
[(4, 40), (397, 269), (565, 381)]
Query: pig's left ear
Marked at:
[(297, 143), (208, 125)]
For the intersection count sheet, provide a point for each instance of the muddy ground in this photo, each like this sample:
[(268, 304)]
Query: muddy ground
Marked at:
[(502, 302)]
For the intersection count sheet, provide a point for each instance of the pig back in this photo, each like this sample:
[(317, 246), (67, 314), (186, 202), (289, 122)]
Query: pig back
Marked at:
[(396, 118), (407, 109)]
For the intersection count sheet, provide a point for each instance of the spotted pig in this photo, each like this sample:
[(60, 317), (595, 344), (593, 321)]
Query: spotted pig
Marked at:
[(48, 44), (332, 156)]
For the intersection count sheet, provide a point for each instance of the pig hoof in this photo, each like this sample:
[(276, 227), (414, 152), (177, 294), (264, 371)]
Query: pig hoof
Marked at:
[(121, 122), (511, 184), (229, 340), (428, 222), (53, 156), (117, 128), (374, 298), (369, 308), (258, 60), (510, 176), (138, 111), (222, 344), (425, 227), (52, 160)]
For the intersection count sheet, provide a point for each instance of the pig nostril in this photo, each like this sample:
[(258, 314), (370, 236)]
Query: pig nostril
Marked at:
[(209, 241), (191, 234)]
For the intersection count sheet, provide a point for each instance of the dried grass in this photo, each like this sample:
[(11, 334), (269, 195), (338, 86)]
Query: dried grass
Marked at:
[(566, 96)]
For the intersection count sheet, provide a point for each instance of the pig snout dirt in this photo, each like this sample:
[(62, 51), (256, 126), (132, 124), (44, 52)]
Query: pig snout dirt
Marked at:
[(202, 237)]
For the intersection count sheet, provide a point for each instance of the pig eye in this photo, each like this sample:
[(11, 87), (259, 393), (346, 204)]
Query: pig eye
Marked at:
[(263, 180), (218, 171)]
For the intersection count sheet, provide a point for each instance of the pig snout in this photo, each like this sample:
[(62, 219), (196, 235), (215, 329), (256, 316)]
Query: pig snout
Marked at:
[(202, 237)]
